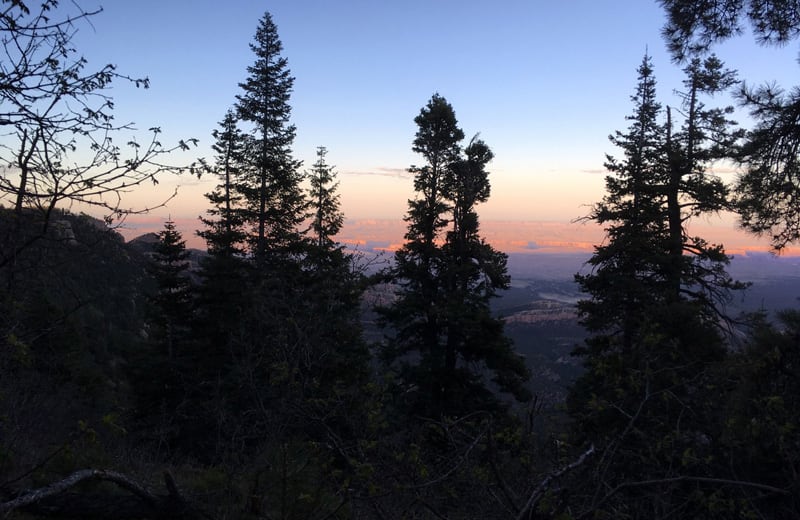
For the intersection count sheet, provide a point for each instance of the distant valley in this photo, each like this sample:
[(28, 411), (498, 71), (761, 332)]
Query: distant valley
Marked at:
[(539, 308), (540, 314)]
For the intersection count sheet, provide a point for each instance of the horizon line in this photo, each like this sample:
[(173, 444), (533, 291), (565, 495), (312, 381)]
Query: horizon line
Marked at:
[(508, 235)]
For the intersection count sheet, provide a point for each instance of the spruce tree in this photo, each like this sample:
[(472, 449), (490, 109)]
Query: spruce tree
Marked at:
[(324, 201), (333, 285), (172, 302), (655, 305), (275, 202), (224, 272), (628, 271), (224, 234), (224, 291), (161, 371), (473, 272), (444, 339)]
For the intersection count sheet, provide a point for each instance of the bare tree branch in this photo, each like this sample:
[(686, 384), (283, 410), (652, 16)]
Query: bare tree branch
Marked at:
[(538, 492), (45, 500)]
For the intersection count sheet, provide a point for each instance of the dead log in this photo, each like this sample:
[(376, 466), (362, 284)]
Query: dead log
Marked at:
[(55, 501)]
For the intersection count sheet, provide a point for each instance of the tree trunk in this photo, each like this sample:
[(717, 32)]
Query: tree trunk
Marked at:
[(54, 501)]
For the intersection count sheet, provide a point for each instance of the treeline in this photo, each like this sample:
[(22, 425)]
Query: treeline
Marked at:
[(247, 378)]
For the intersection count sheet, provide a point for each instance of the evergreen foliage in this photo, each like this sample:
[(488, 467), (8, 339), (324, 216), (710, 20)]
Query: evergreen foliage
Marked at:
[(442, 325), (324, 201), (706, 135), (275, 205), (767, 191), (224, 234), (761, 436), (160, 370), (472, 273), (647, 398), (693, 27), (628, 277), (224, 291), (256, 387), (650, 261), (171, 305)]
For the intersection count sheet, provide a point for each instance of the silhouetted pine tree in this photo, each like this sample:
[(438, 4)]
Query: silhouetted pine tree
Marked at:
[(223, 294), (172, 302), (324, 201), (416, 317), (706, 135), (444, 339), (275, 202), (162, 370), (472, 272), (336, 358), (768, 190), (224, 234), (225, 271), (648, 396), (628, 275), (334, 287)]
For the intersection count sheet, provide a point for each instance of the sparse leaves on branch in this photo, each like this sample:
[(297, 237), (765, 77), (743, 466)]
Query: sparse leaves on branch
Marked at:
[(58, 148)]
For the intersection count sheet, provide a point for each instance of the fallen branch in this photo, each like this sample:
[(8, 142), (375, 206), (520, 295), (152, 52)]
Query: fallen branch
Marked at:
[(537, 493), (52, 500), (687, 478), (707, 480)]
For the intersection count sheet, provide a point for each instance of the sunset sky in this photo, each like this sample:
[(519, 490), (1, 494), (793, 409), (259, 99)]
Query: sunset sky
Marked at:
[(544, 83)]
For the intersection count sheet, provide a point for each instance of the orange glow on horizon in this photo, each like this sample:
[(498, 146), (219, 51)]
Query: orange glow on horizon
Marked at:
[(530, 237)]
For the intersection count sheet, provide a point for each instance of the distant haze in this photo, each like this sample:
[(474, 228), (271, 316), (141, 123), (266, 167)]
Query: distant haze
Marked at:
[(533, 237)]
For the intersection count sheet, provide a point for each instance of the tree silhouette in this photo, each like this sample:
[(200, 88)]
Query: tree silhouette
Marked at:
[(654, 307), (224, 232), (444, 338), (768, 190), (275, 202), (324, 201), (172, 301), (628, 275), (473, 272), (58, 119)]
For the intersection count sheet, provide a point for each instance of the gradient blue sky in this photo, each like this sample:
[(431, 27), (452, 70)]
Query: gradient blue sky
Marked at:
[(544, 83)]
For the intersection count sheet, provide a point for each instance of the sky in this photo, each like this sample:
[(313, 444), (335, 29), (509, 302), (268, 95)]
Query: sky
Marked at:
[(544, 83)]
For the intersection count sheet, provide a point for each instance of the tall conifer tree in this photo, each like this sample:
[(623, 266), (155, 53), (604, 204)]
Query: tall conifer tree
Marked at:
[(324, 201), (444, 338), (333, 286), (275, 202), (473, 272), (654, 307), (628, 276), (706, 135), (224, 234), (224, 291), (417, 315), (172, 302), (160, 372), (225, 270)]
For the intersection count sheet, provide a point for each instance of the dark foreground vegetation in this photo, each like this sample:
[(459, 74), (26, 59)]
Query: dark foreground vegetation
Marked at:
[(142, 382)]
